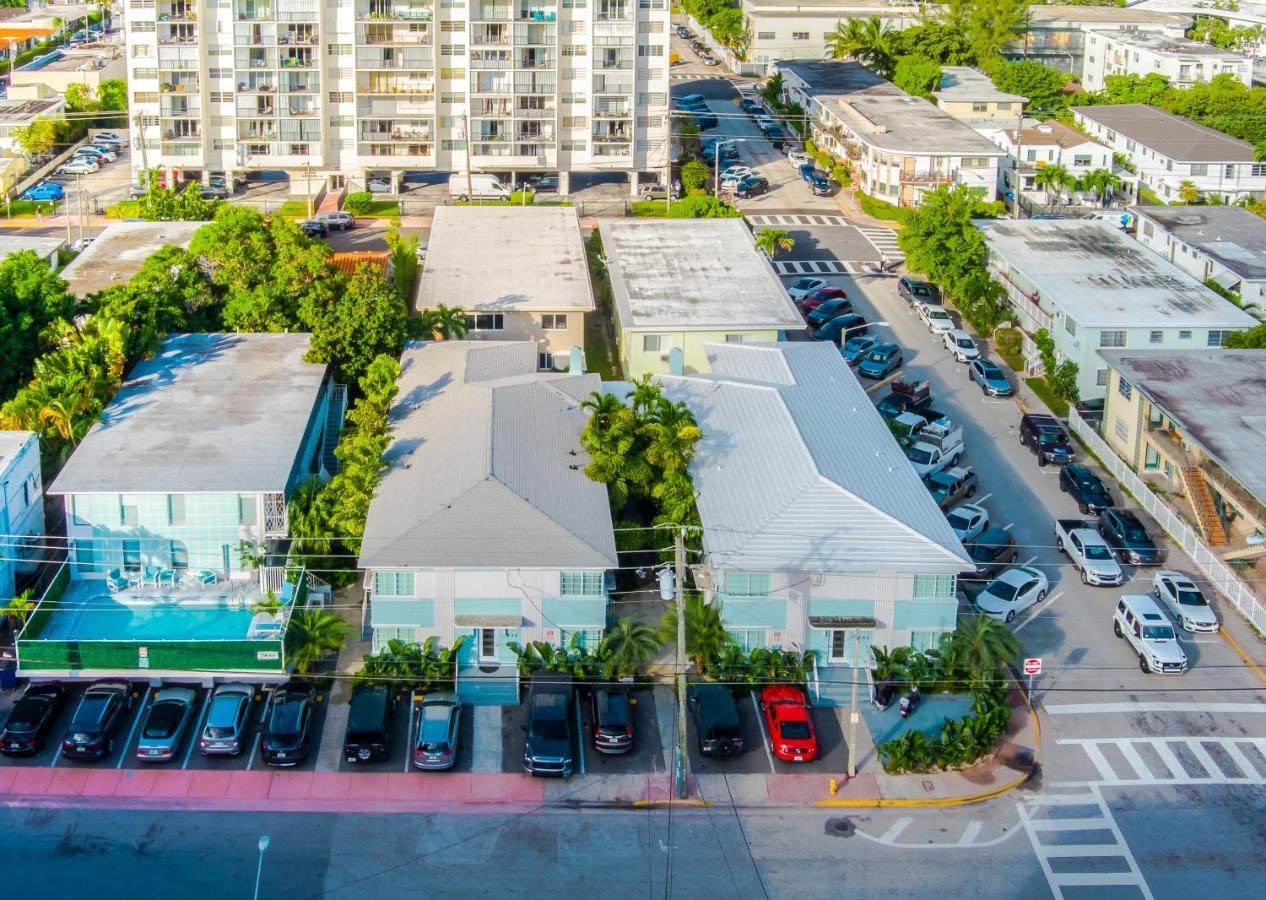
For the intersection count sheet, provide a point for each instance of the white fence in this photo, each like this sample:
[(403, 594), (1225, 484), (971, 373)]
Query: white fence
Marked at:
[(1218, 573)]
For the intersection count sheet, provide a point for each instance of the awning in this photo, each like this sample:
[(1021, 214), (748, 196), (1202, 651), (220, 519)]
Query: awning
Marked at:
[(1227, 279), (487, 621), (842, 622), (23, 32)]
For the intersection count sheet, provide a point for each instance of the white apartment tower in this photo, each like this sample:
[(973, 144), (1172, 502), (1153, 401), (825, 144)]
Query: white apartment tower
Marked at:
[(337, 91)]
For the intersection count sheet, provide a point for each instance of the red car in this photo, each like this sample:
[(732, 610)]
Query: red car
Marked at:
[(790, 727), (820, 296)]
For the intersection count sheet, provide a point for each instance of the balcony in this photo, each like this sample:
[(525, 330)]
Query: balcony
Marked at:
[(179, 109), (389, 85), (394, 10), (300, 112), (536, 13), (934, 176), (297, 59), (181, 84), (251, 132), (618, 111), (177, 12), (379, 150), (247, 11), (182, 134), (388, 35)]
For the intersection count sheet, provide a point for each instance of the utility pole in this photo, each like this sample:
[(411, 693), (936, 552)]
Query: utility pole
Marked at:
[(683, 757), (852, 705), (307, 174), (79, 201), (668, 160), (140, 137), (1019, 164), (470, 189)]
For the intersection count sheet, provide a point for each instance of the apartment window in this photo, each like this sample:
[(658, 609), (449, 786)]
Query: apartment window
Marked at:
[(749, 638), (1184, 335), (1030, 155), (485, 322), (1082, 159), (650, 50), (1124, 388), (145, 97), (176, 509), (338, 49), (342, 121), (246, 509), (980, 107), (1199, 169), (223, 144), (575, 121), (1256, 169), (1216, 338), (922, 641), (572, 145), (344, 97), (220, 73), (650, 27), (653, 98), (1070, 325), (764, 35), (131, 556), (580, 584), (734, 338), (1156, 337), (584, 637), (799, 35), (85, 557), (144, 74), (1151, 459), (141, 26), (1004, 107), (452, 49), (450, 97), (1112, 339), (139, 50), (747, 584), (545, 360), (574, 49), (220, 96), (554, 321), (1121, 429), (1101, 378), (393, 584), (975, 162), (1110, 135), (453, 144), (130, 514), (451, 25), (459, 72), (1129, 146), (933, 587), (654, 343)]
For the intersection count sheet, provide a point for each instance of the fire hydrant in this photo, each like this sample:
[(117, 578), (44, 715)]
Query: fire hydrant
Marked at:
[(832, 787)]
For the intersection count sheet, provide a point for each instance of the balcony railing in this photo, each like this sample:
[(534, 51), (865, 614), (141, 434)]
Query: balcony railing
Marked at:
[(938, 176)]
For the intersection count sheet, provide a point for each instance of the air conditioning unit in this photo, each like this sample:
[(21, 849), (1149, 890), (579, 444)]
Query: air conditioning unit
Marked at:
[(663, 357)]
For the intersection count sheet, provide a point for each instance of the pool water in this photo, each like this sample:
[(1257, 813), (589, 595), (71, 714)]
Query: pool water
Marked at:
[(105, 618)]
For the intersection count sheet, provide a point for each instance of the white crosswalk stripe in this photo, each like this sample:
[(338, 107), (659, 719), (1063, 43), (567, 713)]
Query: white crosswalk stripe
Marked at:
[(1237, 765), (884, 241), (686, 76), (815, 267), (1060, 841), (803, 220)]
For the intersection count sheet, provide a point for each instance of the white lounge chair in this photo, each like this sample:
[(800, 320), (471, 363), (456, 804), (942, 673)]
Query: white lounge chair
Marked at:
[(116, 581)]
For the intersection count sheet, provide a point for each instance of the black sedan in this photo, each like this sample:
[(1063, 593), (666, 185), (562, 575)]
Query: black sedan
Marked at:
[(1128, 537), (752, 186), (1085, 487), (314, 229), (289, 725), (27, 729), (827, 311), (101, 711)]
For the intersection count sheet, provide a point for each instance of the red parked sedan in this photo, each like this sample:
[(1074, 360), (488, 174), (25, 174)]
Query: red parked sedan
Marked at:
[(790, 727), (820, 296)]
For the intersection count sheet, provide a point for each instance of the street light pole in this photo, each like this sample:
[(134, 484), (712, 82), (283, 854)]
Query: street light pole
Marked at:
[(716, 166), (259, 872), (683, 758)]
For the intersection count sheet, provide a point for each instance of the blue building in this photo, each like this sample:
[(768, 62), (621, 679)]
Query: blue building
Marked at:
[(21, 508), (812, 517)]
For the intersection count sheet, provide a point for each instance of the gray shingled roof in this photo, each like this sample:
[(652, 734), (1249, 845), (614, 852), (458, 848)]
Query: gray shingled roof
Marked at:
[(1169, 135), (1233, 236), (798, 471), (209, 413), (486, 466)]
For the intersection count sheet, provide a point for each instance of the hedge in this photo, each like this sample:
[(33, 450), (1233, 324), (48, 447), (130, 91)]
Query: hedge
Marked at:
[(881, 209)]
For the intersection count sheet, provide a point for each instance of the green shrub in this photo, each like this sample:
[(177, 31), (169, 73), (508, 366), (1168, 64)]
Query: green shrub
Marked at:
[(825, 160), (522, 198), (1055, 404), (704, 206), (694, 176), (125, 209), (881, 209), (649, 209), (810, 148), (359, 203), (840, 174)]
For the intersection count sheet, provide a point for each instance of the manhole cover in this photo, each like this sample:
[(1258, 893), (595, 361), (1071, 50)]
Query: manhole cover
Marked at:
[(840, 827)]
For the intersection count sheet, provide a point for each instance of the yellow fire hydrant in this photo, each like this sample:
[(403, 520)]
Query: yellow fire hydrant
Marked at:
[(832, 787)]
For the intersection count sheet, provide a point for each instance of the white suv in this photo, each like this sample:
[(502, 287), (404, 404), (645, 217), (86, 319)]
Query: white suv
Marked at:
[(1139, 620)]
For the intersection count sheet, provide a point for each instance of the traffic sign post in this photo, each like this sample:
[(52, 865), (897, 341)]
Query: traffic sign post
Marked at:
[(1032, 666)]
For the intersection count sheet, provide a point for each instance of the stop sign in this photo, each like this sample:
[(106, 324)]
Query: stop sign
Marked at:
[(1033, 666)]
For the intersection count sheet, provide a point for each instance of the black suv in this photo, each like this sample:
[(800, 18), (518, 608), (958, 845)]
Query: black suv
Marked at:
[(101, 711), (1046, 437), (1085, 487), (289, 725), (1128, 537), (547, 750), (716, 720), (368, 724), (992, 552), (28, 724)]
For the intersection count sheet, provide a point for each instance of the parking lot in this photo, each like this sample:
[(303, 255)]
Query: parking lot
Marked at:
[(758, 759)]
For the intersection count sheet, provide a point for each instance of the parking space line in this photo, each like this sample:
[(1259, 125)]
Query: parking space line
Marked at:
[(1030, 560), (259, 735), (760, 723), (135, 724), (203, 714), (580, 734), (408, 735), (984, 498), (1008, 526)]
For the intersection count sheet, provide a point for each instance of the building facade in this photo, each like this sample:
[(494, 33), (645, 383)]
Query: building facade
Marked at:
[(21, 508), (335, 92), (1180, 61), (1057, 35)]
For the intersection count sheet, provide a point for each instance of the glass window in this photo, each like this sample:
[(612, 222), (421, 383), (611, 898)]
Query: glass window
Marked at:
[(545, 360), (933, 587), (799, 35), (86, 557), (1257, 169), (749, 638), (131, 555), (925, 640), (383, 635), (1070, 325), (652, 343), (1101, 378), (485, 322), (1156, 337), (588, 637), (246, 510), (1004, 107), (734, 338), (176, 509), (179, 556), (747, 584), (1217, 338), (1151, 459), (1081, 159), (1124, 389), (130, 514), (1121, 429), (554, 321), (1112, 339), (1184, 335), (393, 584), (1199, 169), (980, 107), (581, 584)]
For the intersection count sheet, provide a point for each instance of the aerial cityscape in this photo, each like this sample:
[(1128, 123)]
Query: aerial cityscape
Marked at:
[(681, 448)]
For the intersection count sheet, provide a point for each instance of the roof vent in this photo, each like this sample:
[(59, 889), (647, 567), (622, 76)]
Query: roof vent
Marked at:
[(1046, 129), (1189, 219)]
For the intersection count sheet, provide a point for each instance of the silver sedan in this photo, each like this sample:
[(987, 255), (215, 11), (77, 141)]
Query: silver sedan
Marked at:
[(167, 723)]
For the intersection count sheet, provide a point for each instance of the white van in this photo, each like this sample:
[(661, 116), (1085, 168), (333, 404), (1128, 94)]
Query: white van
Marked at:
[(1139, 621), (477, 186)]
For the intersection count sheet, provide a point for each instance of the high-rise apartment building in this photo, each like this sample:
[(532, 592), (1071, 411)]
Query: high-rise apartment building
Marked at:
[(344, 90)]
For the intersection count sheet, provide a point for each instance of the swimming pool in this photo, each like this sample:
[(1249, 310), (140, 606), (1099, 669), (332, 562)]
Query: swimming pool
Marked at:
[(86, 614)]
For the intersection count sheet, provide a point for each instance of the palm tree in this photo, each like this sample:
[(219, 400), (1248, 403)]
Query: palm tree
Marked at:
[(1101, 183), (1188, 192), (645, 394), (311, 634), (774, 241), (866, 40), (1052, 179), (632, 644), (772, 91), (306, 518), (18, 610), (443, 323), (706, 637), (983, 645)]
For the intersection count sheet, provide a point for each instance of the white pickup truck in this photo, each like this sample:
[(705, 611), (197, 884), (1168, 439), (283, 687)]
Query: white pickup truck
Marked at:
[(939, 446), (1089, 552)]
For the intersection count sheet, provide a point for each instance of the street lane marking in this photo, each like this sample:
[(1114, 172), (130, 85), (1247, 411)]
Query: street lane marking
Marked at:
[(986, 497), (1202, 756), (1100, 761), (969, 833), (408, 735), (135, 724), (1178, 774), (1136, 762), (895, 830), (1028, 562), (201, 719), (1079, 709), (760, 721), (1008, 526)]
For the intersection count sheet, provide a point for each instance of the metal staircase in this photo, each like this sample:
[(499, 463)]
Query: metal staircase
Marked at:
[(333, 426), (1202, 504)]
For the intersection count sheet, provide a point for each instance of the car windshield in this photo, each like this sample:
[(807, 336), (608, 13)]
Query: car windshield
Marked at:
[(1004, 591), (990, 371), (613, 709), (163, 719), (1093, 487), (27, 713), (223, 714), (795, 731), (966, 343), (920, 290), (959, 521), (1097, 552), (1135, 534), (805, 283), (922, 457), (285, 718), (938, 314), (856, 345), (1191, 598), (986, 552), (1158, 633), (878, 356), (90, 712), (1051, 437)]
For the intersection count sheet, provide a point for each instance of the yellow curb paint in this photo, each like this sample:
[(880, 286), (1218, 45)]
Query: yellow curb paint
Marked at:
[(878, 802), (1240, 650), (647, 803)]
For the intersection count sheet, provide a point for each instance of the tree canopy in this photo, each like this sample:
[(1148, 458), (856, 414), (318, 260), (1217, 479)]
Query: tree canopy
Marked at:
[(1042, 85), (917, 75), (31, 297), (358, 324)]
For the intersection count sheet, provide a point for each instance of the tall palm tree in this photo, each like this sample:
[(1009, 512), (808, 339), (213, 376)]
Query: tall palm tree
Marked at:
[(311, 634), (706, 637), (632, 644), (1102, 183), (773, 241), (869, 41), (306, 518), (443, 323), (645, 394), (984, 644), (1052, 179), (673, 436)]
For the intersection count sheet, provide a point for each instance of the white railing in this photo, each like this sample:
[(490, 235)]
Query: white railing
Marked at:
[(1221, 576)]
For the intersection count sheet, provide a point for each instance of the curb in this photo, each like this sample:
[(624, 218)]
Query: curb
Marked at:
[(1235, 645)]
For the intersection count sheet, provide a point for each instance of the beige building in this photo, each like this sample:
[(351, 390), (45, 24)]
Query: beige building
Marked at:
[(1190, 422), (519, 273), (62, 68), (969, 95)]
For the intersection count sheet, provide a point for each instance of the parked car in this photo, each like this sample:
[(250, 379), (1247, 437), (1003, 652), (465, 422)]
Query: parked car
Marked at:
[(908, 396), (696, 101), (612, 720), (709, 60), (791, 734), (368, 723), (1085, 487), (961, 345), (937, 318), (378, 185), (751, 107), (823, 186), (881, 361), (100, 154), (828, 310), (1091, 411), (752, 186), (224, 733), (992, 380), (716, 720), (992, 551), (80, 165), (32, 716), (97, 718), (682, 31), (812, 301), (1138, 620), (1186, 602), (338, 221), (548, 748), (439, 730), (655, 192), (807, 171), (706, 122), (314, 228), (855, 348), (916, 290), (1011, 593), (107, 136), (288, 725), (167, 722), (1128, 537), (46, 190), (1046, 437), (805, 286), (81, 244), (798, 159), (136, 192), (836, 329), (950, 485), (728, 151), (547, 183), (207, 192), (968, 520), (1089, 552)]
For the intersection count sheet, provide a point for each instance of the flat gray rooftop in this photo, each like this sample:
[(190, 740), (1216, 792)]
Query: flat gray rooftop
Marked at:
[(885, 116), (505, 258), (881, 8), (209, 413), (43, 247), (1169, 135), (1103, 279), (1217, 396), (963, 83), (693, 275), (1041, 15), (1233, 236), (1151, 40), (24, 110), (119, 252)]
